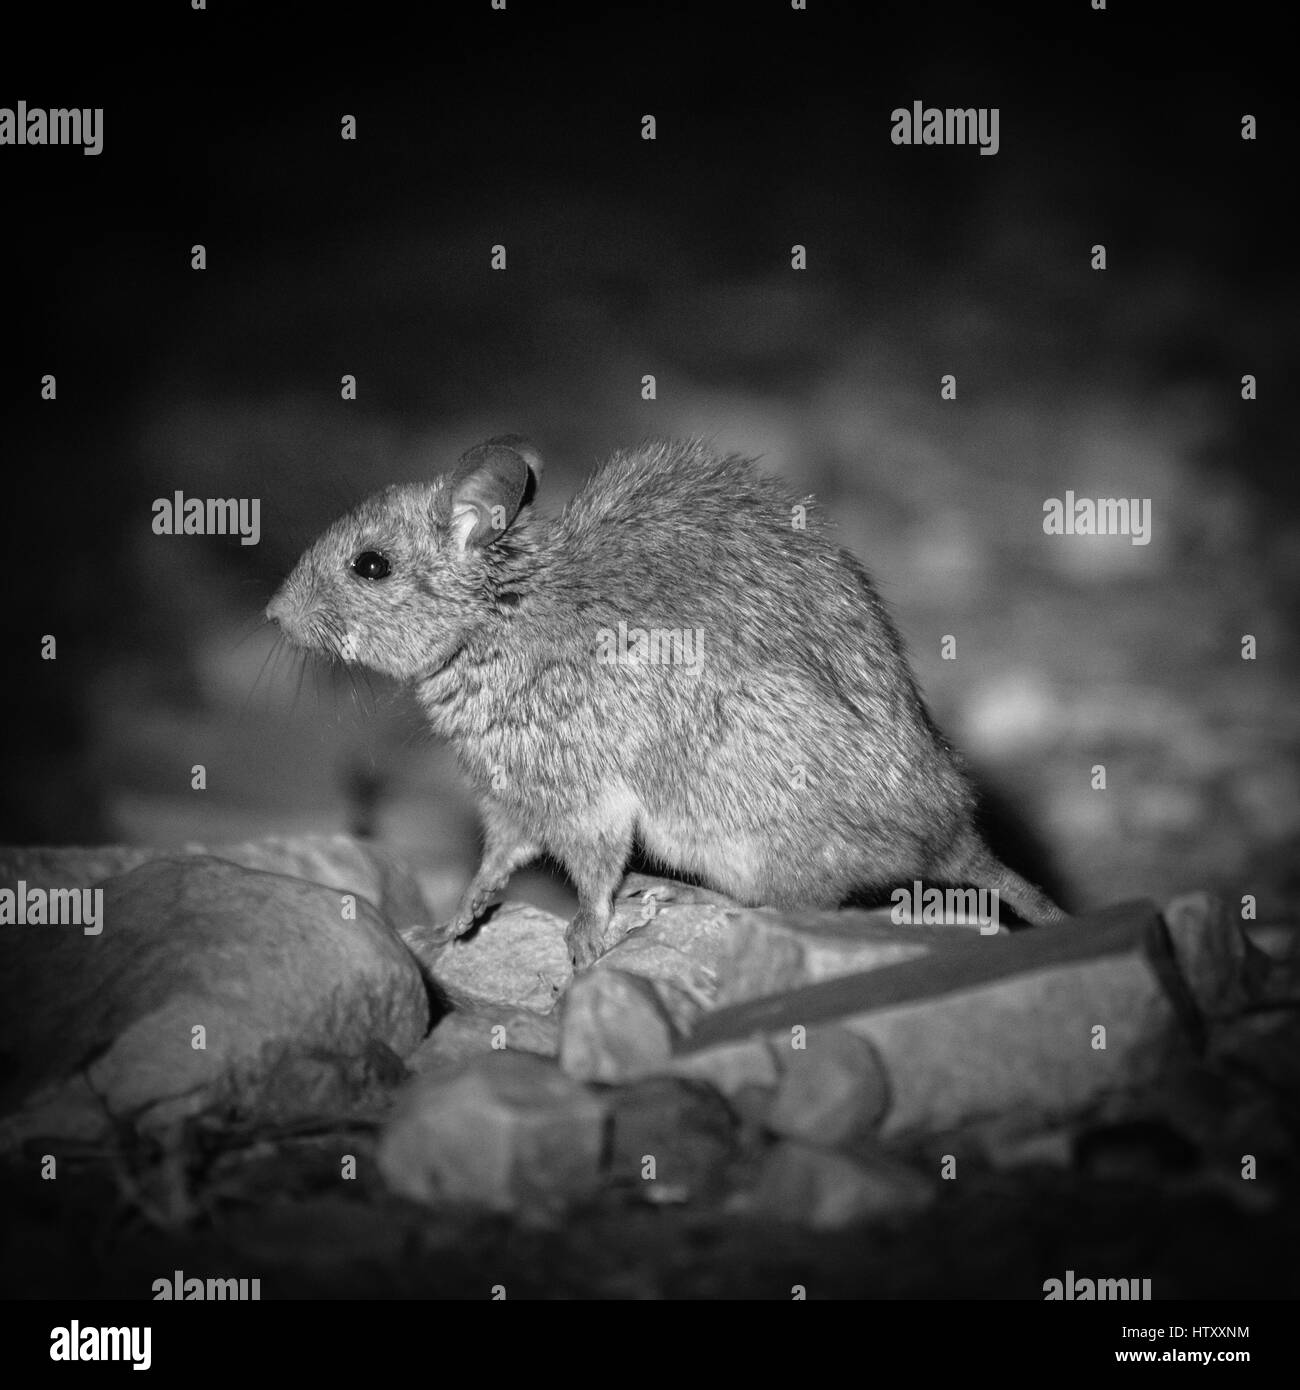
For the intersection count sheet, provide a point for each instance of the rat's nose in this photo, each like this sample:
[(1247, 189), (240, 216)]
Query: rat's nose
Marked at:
[(278, 609)]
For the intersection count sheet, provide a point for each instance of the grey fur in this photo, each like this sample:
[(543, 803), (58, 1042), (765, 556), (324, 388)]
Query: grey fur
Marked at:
[(797, 765)]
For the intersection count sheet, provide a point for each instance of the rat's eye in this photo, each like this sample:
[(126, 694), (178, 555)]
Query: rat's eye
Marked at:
[(370, 564)]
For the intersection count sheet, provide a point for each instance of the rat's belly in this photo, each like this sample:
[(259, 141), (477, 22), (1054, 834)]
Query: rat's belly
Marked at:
[(732, 865)]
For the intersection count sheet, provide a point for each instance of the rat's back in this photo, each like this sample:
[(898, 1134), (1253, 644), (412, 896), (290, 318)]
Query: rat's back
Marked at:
[(793, 736), (677, 530)]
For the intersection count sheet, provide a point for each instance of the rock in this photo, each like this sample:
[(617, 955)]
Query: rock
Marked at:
[(337, 861), (1223, 969), (517, 959), (825, 1190), (768, 952), (832, 1090), (1281, 944), (675, 948), (700, 955), (57, 867), (988, 1025), (671, 1138), (745, 1072), (472, 1032), (717, 954), (293, 1081), (614, 1028), (100, 1028), (508, 1132)]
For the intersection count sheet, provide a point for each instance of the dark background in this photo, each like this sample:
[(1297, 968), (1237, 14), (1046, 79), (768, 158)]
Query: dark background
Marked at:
[(672, 258)]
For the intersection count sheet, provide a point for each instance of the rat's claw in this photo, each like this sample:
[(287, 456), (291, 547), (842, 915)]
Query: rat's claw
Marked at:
[(585, 939), (638, 885)]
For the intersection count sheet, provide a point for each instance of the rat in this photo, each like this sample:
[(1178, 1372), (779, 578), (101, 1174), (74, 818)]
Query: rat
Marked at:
[(682, 657)]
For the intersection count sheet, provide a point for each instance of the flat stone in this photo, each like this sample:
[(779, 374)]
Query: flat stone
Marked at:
[(515, 960), (768, 952), (508, 1132), (992, 1024)]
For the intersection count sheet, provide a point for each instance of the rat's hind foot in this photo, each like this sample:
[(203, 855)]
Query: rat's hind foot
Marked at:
[(585, 937)]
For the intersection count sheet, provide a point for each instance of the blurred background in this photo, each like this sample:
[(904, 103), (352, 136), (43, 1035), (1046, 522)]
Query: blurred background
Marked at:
[(628, 257)]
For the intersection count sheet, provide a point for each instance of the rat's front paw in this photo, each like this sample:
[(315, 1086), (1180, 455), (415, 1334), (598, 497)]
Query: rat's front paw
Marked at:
[(475, 901), (585, 938)]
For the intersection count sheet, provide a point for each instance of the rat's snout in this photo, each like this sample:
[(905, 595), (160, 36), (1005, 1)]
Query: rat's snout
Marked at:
[(278, 609), (291, 610), (286, 611)]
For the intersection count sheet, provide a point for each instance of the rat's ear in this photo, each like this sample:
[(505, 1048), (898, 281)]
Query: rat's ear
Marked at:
[(489, 485)]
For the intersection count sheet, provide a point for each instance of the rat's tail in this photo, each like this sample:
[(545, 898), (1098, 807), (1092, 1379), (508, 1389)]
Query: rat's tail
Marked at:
[(977, 864)]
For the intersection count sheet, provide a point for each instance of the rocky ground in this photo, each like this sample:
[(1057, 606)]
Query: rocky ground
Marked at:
[(730, 1104)]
